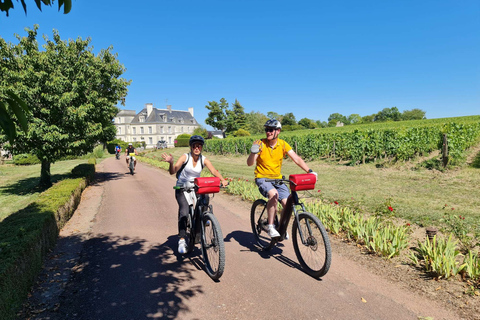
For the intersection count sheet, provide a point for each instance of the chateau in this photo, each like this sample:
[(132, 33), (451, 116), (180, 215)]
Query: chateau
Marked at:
[(152, 125)]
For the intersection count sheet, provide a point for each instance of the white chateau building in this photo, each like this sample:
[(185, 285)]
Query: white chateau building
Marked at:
[(152, 125)]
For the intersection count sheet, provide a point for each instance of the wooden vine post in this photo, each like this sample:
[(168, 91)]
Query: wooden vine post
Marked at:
[(445, 151)]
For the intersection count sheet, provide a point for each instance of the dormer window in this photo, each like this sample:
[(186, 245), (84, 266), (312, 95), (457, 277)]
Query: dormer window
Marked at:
[(142, 119)]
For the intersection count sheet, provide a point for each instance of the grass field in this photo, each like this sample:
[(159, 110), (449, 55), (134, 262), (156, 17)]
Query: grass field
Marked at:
[(18, 184), (420, 196)]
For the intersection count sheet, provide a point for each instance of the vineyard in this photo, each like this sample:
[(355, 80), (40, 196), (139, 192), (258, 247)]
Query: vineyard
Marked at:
[(399, 141)]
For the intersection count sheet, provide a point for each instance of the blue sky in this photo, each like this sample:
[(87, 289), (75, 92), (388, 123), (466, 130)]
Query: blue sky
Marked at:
[(311, 58)]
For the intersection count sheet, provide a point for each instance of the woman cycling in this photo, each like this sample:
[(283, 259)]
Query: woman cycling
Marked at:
[(191, 165)]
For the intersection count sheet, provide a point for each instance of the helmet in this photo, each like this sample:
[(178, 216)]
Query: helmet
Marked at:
[(272, 123), (130, 144), (196, 139)]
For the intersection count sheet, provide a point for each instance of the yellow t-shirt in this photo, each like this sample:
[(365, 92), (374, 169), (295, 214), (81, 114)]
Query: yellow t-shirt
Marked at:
[(269, 161)]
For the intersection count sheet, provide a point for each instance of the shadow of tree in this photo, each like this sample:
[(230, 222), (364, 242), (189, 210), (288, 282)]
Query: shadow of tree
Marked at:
[(122, 278)]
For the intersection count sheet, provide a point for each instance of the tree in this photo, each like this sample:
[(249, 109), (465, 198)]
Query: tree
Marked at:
[(274, 115), (288, 119), (236, 118), (414, 114), (6, 5), (217, 117), (307, 123), (72, 94), (255, 121), (354, 118), (13, 110), (336, 117), (388, 114), (200, 131)]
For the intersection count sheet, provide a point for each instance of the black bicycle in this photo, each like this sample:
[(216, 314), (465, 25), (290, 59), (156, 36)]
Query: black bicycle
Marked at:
[(202, 226), (310, 238)]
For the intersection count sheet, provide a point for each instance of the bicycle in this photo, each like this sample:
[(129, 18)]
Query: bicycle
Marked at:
[(202, 226), (131, 163), (310, 238)]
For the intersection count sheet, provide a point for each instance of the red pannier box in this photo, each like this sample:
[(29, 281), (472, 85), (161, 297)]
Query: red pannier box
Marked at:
[(207, 185), (304, 181)]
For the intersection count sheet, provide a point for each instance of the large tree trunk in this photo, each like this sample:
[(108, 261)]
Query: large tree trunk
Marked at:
[(45, 181)]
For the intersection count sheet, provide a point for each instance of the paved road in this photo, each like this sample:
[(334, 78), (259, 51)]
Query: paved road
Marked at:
[(124, 234)]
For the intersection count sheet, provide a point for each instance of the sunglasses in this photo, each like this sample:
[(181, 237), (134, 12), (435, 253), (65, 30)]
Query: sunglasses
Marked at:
[(197, 145), (270, 129)]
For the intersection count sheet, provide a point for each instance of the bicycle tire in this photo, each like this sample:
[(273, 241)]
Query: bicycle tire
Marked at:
[(213, 247), (131, 167), (258, 221), (190, 234), (316, 255)]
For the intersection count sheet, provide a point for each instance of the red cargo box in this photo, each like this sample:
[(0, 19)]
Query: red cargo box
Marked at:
[(207, 185), (304, 181)]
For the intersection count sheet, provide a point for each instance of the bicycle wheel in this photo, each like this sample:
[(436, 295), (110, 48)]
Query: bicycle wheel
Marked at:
[(213, 248), (315, 252), (259, 222), (131, 166), (190, 234)]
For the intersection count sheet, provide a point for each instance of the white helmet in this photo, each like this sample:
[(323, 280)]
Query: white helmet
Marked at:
[(272, 123)]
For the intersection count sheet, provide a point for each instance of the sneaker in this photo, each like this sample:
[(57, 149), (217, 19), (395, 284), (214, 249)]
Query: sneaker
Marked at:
[(287, 236), (207, 224), (272, 232), (182, 246)]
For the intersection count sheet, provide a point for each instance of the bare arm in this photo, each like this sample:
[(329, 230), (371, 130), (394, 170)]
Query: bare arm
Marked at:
[(299, 161), (215, 172), (174, 168)]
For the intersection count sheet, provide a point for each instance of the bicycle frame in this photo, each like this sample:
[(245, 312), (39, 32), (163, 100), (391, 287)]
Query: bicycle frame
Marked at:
[(198, 205), (290, 207)]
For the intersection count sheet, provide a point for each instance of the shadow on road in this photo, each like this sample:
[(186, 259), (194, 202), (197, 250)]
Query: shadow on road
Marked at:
[(122, 278)]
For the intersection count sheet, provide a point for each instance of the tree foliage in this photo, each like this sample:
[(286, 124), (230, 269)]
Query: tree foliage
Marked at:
[(71, 91), (217, 115), (307, 123), (255, 121), (236, 118), (388, 114), (414, 114), (289, 119), (6, 5)]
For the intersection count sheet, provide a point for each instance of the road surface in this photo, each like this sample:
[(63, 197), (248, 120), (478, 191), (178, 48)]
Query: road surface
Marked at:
[(116, 259)]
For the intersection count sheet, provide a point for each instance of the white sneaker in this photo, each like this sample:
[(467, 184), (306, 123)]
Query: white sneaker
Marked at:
[(272, 232), (287, 236), (182, 246)]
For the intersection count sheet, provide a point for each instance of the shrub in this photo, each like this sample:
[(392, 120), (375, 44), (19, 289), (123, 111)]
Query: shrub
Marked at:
[(26, 159)]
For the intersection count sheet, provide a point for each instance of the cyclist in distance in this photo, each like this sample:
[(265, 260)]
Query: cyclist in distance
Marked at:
[(190, 166), (131, 149), (118, 149), (268, 155)]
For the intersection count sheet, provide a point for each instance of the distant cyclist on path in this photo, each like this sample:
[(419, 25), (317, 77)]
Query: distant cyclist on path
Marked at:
[(268, 154)]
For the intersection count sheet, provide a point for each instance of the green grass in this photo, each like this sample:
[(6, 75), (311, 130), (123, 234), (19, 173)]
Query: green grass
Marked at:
[(19, 184), (418, 196)]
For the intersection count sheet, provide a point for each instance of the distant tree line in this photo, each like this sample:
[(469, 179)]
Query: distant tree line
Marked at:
[(233, 121)]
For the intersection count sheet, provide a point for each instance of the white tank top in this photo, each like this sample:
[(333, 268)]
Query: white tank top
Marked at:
[(189, 172)]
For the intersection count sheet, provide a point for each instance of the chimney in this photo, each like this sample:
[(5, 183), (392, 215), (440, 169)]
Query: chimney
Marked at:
[(169, 108), (149, 108), (191, 111)]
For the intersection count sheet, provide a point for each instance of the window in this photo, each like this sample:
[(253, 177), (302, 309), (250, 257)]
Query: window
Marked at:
[(169, 129), (150, 130), (181, 129), (161, 130), (141, 130), (119, 130), (134, 130), (134, 139), (142, 119), (150, 140)]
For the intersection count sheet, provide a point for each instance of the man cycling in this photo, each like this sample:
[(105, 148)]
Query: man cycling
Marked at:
[(268, 154), (191, 165), (131, 149), (118, 149)]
